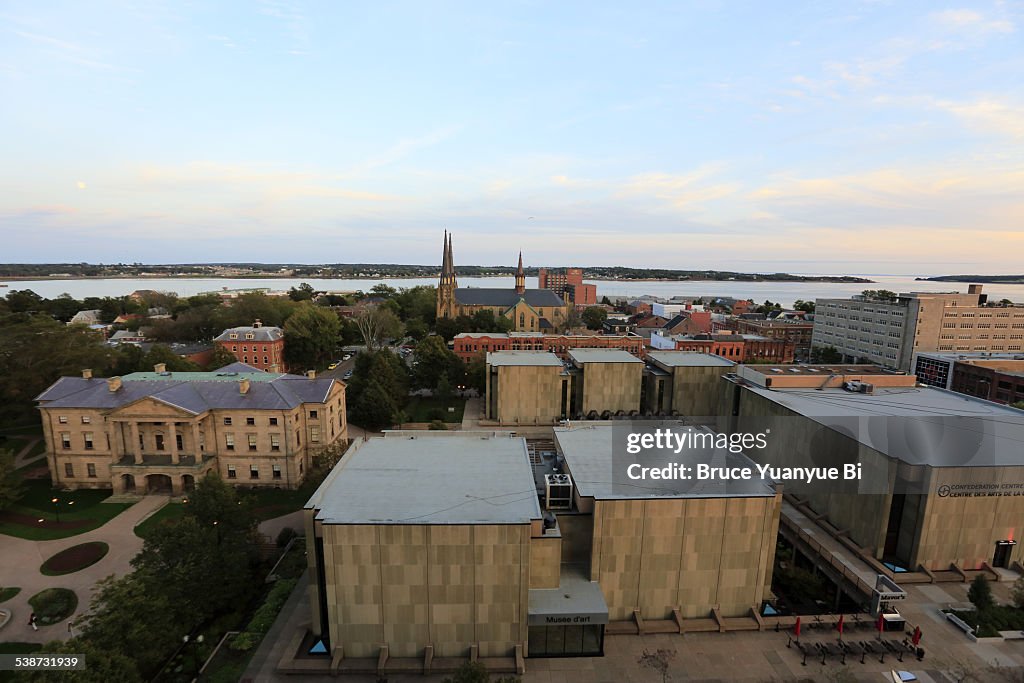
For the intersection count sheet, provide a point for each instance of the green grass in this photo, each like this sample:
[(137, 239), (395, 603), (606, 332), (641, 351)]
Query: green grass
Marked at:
[(33, 429), (84, 505), (170, 512), (426, 409), (8, 593), (270, 503), (74, 559), (994, 619)]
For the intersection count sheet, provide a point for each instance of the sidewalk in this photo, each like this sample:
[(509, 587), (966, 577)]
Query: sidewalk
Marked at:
[(21, 559)]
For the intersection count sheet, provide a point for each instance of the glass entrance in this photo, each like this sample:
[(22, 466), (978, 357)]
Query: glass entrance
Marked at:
[(567, 641), (1004, 549)]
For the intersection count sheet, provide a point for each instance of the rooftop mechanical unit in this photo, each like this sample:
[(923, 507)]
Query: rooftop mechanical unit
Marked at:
[(558, 491)]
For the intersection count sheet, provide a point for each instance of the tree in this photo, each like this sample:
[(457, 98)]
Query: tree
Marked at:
[(435, 360), (103, 665), (768, 307), (377, 325), (220, 357), (372, 408), (879, 294), (443, 390), (826, 354), (594, 317), (980, 593), (1019, 405), (10, 480), (476, 375), (304, 292), (805, 306), (417, 303), (310, 336), (573, 319), (159, 353)]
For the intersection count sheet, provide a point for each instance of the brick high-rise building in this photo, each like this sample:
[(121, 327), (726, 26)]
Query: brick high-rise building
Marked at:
[(568, 284)]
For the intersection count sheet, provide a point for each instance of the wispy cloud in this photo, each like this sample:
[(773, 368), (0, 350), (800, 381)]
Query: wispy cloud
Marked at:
[(971, 22), (990, 114)]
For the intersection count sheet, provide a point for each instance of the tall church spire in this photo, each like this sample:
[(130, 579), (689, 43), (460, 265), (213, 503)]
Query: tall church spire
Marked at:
[(520, 276), (446, 284)]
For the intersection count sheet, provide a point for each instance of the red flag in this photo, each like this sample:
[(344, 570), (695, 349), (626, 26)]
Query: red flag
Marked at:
[(917, 635), (881, 623), (840, 624), (796, 628)]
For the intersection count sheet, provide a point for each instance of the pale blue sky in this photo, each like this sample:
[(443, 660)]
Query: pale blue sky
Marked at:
[(871, 137)]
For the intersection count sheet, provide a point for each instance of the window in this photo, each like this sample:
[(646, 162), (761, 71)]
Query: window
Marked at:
[(90, 470), (273, 422), (314, 435), (159, 442), (227, 421), (229, 441), (86, 419), (275, 442), (232, 474), (264, 348), (254, 472), (233, 335), (250, 421), (65, 440), (252, 442), (245, 349), (63, 419), (234, 347), (298, 438), (312, 415), (250, 335), (245, 359), (69, 470), (178, 442), (264, 360), (88, 441), (276, 469)]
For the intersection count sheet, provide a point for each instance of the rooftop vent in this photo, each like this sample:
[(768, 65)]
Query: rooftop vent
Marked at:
[(243, 386), (114, 383), (160, 368), (311, 374), (86, 373)]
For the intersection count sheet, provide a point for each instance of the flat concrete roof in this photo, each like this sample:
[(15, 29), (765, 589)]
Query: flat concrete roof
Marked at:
[(690, 359), (544, 358), (601, 473), (819, 370), (603, 356), (925, 425), (421, 478)]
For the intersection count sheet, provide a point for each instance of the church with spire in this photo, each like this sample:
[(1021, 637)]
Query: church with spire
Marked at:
[(530, 310)]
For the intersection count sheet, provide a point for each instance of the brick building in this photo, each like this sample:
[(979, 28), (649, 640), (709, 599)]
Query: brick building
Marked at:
[(741, 348), (470, 345), (260, 346), (568, 284), (797, 332)]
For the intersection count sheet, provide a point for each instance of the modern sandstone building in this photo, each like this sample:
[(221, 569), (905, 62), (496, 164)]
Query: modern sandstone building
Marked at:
[(683, 383), (526, 387), (161, 431), (488, 547)]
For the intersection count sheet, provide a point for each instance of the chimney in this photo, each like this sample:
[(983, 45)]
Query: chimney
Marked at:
[(160, 368), (113, 384), (311, 374), (257, 323), (243, 386), (87, 373)]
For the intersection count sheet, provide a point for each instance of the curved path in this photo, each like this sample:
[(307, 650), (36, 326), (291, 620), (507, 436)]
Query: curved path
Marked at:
[(20, 560)]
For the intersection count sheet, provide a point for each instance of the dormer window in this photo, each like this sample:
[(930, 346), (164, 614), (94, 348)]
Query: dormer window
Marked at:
[(250, 335), (233, 335)]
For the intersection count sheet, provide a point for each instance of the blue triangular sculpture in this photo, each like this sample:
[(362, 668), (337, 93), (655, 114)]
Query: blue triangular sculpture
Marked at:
[(318, 649)]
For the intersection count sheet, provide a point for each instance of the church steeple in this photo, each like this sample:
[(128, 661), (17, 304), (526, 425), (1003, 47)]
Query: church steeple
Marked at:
[(446, 284), (520, 276)]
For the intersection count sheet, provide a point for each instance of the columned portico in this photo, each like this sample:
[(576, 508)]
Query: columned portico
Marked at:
[(172, 441), (136, 442)]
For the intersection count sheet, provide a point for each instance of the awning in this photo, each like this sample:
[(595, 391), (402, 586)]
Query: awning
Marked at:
[(576, 601)]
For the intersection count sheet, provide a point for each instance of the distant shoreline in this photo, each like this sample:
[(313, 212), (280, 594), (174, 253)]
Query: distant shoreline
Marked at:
[(979, 279), (276, 276)]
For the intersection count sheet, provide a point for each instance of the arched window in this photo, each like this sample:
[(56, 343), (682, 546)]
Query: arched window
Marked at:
[(522, 320)]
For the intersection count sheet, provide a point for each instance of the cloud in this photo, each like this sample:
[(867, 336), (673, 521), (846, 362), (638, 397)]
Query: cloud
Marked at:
[(407, 146), (682, 191), (970, 22), (989, 114)]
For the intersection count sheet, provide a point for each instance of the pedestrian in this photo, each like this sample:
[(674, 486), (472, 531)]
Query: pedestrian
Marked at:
[(32, 621)]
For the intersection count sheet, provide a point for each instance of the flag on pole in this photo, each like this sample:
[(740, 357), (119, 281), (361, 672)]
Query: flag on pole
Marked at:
[(796, 628), (917, 636)]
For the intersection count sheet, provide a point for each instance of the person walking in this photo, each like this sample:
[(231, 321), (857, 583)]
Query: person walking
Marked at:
[(32, 621)]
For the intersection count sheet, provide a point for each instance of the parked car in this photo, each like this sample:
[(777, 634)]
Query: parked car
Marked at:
[(347, 375), (334, 365), (346, 357)]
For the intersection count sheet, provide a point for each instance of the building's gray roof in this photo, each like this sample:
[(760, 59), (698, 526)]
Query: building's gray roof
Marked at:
[(483, 296), (599, 464), (497, 358), (194, 392), (918, 425), (430, 478), (602, 356), (263, 333), (689, 359)]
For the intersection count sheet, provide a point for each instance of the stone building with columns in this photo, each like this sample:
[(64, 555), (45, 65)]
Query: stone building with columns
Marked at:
[(162, 431)]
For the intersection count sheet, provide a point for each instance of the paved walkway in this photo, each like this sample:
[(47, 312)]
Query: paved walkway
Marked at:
[(272, 527), (472, 413), (21, 458), (21, 559)]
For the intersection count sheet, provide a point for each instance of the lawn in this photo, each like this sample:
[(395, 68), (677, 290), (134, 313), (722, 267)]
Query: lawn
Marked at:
[(53, 605), (167, 513), (270, 503), (994, 619), (8, 593), (428, 409), (80, 511)]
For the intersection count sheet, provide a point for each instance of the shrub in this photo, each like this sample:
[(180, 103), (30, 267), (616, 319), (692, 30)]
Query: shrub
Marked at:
[(75, 558), (438, 425), (980, 593), (285, 536), (53, 605), (245, 641)]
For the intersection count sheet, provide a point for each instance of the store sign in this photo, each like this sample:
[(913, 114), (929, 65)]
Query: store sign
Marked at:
[(567, 619)]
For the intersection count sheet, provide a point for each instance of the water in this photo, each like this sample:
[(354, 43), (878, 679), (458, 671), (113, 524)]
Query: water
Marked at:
[(783, 292)]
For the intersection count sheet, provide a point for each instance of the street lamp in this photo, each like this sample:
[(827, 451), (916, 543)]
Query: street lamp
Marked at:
[(195, 650), (56, 507)]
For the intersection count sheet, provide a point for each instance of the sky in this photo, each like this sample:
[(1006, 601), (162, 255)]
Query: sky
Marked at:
[(818, 137)]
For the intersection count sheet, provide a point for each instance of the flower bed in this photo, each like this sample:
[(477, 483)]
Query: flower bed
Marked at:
[(75, 558), (53, 605)]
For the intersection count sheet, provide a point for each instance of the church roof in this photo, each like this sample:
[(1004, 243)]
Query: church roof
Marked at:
[(483, 296)]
